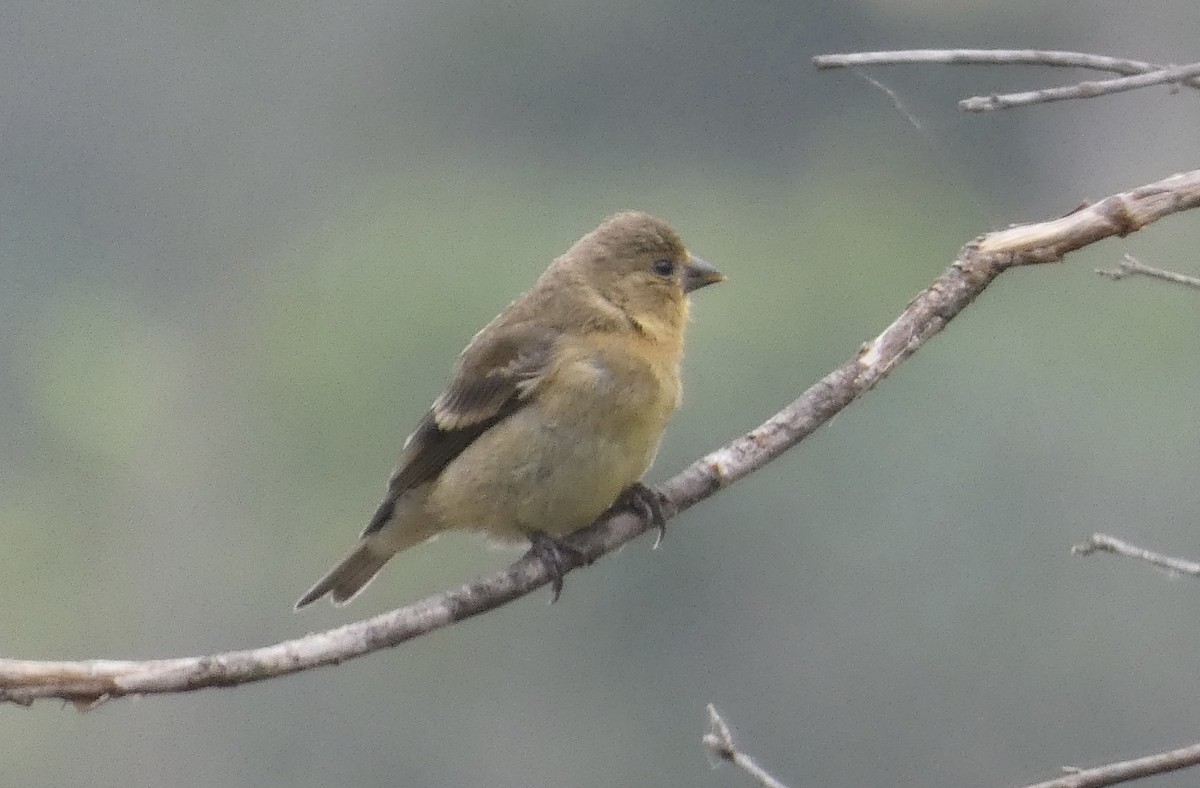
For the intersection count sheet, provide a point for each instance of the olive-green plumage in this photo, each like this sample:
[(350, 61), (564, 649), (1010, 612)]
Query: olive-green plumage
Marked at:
[(554, 408)]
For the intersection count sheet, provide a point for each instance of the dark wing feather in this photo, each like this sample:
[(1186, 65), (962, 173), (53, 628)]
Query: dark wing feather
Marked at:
[(500, 364), (493, 376)]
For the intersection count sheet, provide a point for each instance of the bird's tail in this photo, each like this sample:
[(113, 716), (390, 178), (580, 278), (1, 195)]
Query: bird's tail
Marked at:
[(352, 574)]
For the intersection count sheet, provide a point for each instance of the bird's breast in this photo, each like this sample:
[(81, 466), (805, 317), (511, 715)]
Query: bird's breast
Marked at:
[(589, 428), (614, 386)]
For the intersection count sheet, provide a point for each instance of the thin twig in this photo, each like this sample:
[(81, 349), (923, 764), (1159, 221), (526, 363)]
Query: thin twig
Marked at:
[(977, 266), (1131, 266), (719, 742), (1080, 90), (994, 57), (896, 102), (1110, 544), (1138, 73), (1125, 771)]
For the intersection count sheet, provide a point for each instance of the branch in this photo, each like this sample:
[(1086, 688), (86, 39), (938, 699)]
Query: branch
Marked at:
[(992, 57), (1110, 544), (1138, 73), (1131, 266), (1081, 90), (1124, 771), (978, 265), (719, 742)]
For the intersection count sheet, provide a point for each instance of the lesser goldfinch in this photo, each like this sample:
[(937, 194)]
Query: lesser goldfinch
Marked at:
[(554, 409)]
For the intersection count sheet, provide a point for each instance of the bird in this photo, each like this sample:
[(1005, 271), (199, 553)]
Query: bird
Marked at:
[(554, 410)]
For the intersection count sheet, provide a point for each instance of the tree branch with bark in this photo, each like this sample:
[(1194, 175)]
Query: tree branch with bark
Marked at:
[(979, 263)]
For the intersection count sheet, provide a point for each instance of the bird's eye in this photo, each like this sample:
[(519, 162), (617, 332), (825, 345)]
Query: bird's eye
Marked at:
[(664, 267)]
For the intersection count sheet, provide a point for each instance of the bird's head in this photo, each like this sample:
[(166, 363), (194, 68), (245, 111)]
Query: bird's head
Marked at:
[(637, 263)]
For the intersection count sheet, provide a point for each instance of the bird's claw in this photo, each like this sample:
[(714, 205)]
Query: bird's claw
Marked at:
[(647, 504), (556, 556)]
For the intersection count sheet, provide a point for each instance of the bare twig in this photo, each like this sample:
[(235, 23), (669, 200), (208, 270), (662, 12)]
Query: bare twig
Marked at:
[(1139, 74), (719, 742), (977, 266), (1125, 771), (1080, 90), (896, 102), (1119, 214), (994, 57), (1131, 266), (1110, 544)]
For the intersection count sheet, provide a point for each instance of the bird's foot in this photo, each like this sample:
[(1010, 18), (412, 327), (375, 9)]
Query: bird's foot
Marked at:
[(647, 504), (556, 556)]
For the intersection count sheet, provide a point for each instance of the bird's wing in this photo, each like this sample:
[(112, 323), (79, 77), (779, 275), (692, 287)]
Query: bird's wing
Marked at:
[(502, 364), (493, 378)]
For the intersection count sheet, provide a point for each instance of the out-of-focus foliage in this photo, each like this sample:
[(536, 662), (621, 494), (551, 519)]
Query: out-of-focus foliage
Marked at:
[(242, 244)]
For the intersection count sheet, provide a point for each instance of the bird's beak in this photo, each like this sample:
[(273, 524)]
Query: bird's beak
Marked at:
[(698, 273)]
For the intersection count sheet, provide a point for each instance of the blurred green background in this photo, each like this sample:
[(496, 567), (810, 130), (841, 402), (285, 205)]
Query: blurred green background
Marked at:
[(241, 244)]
